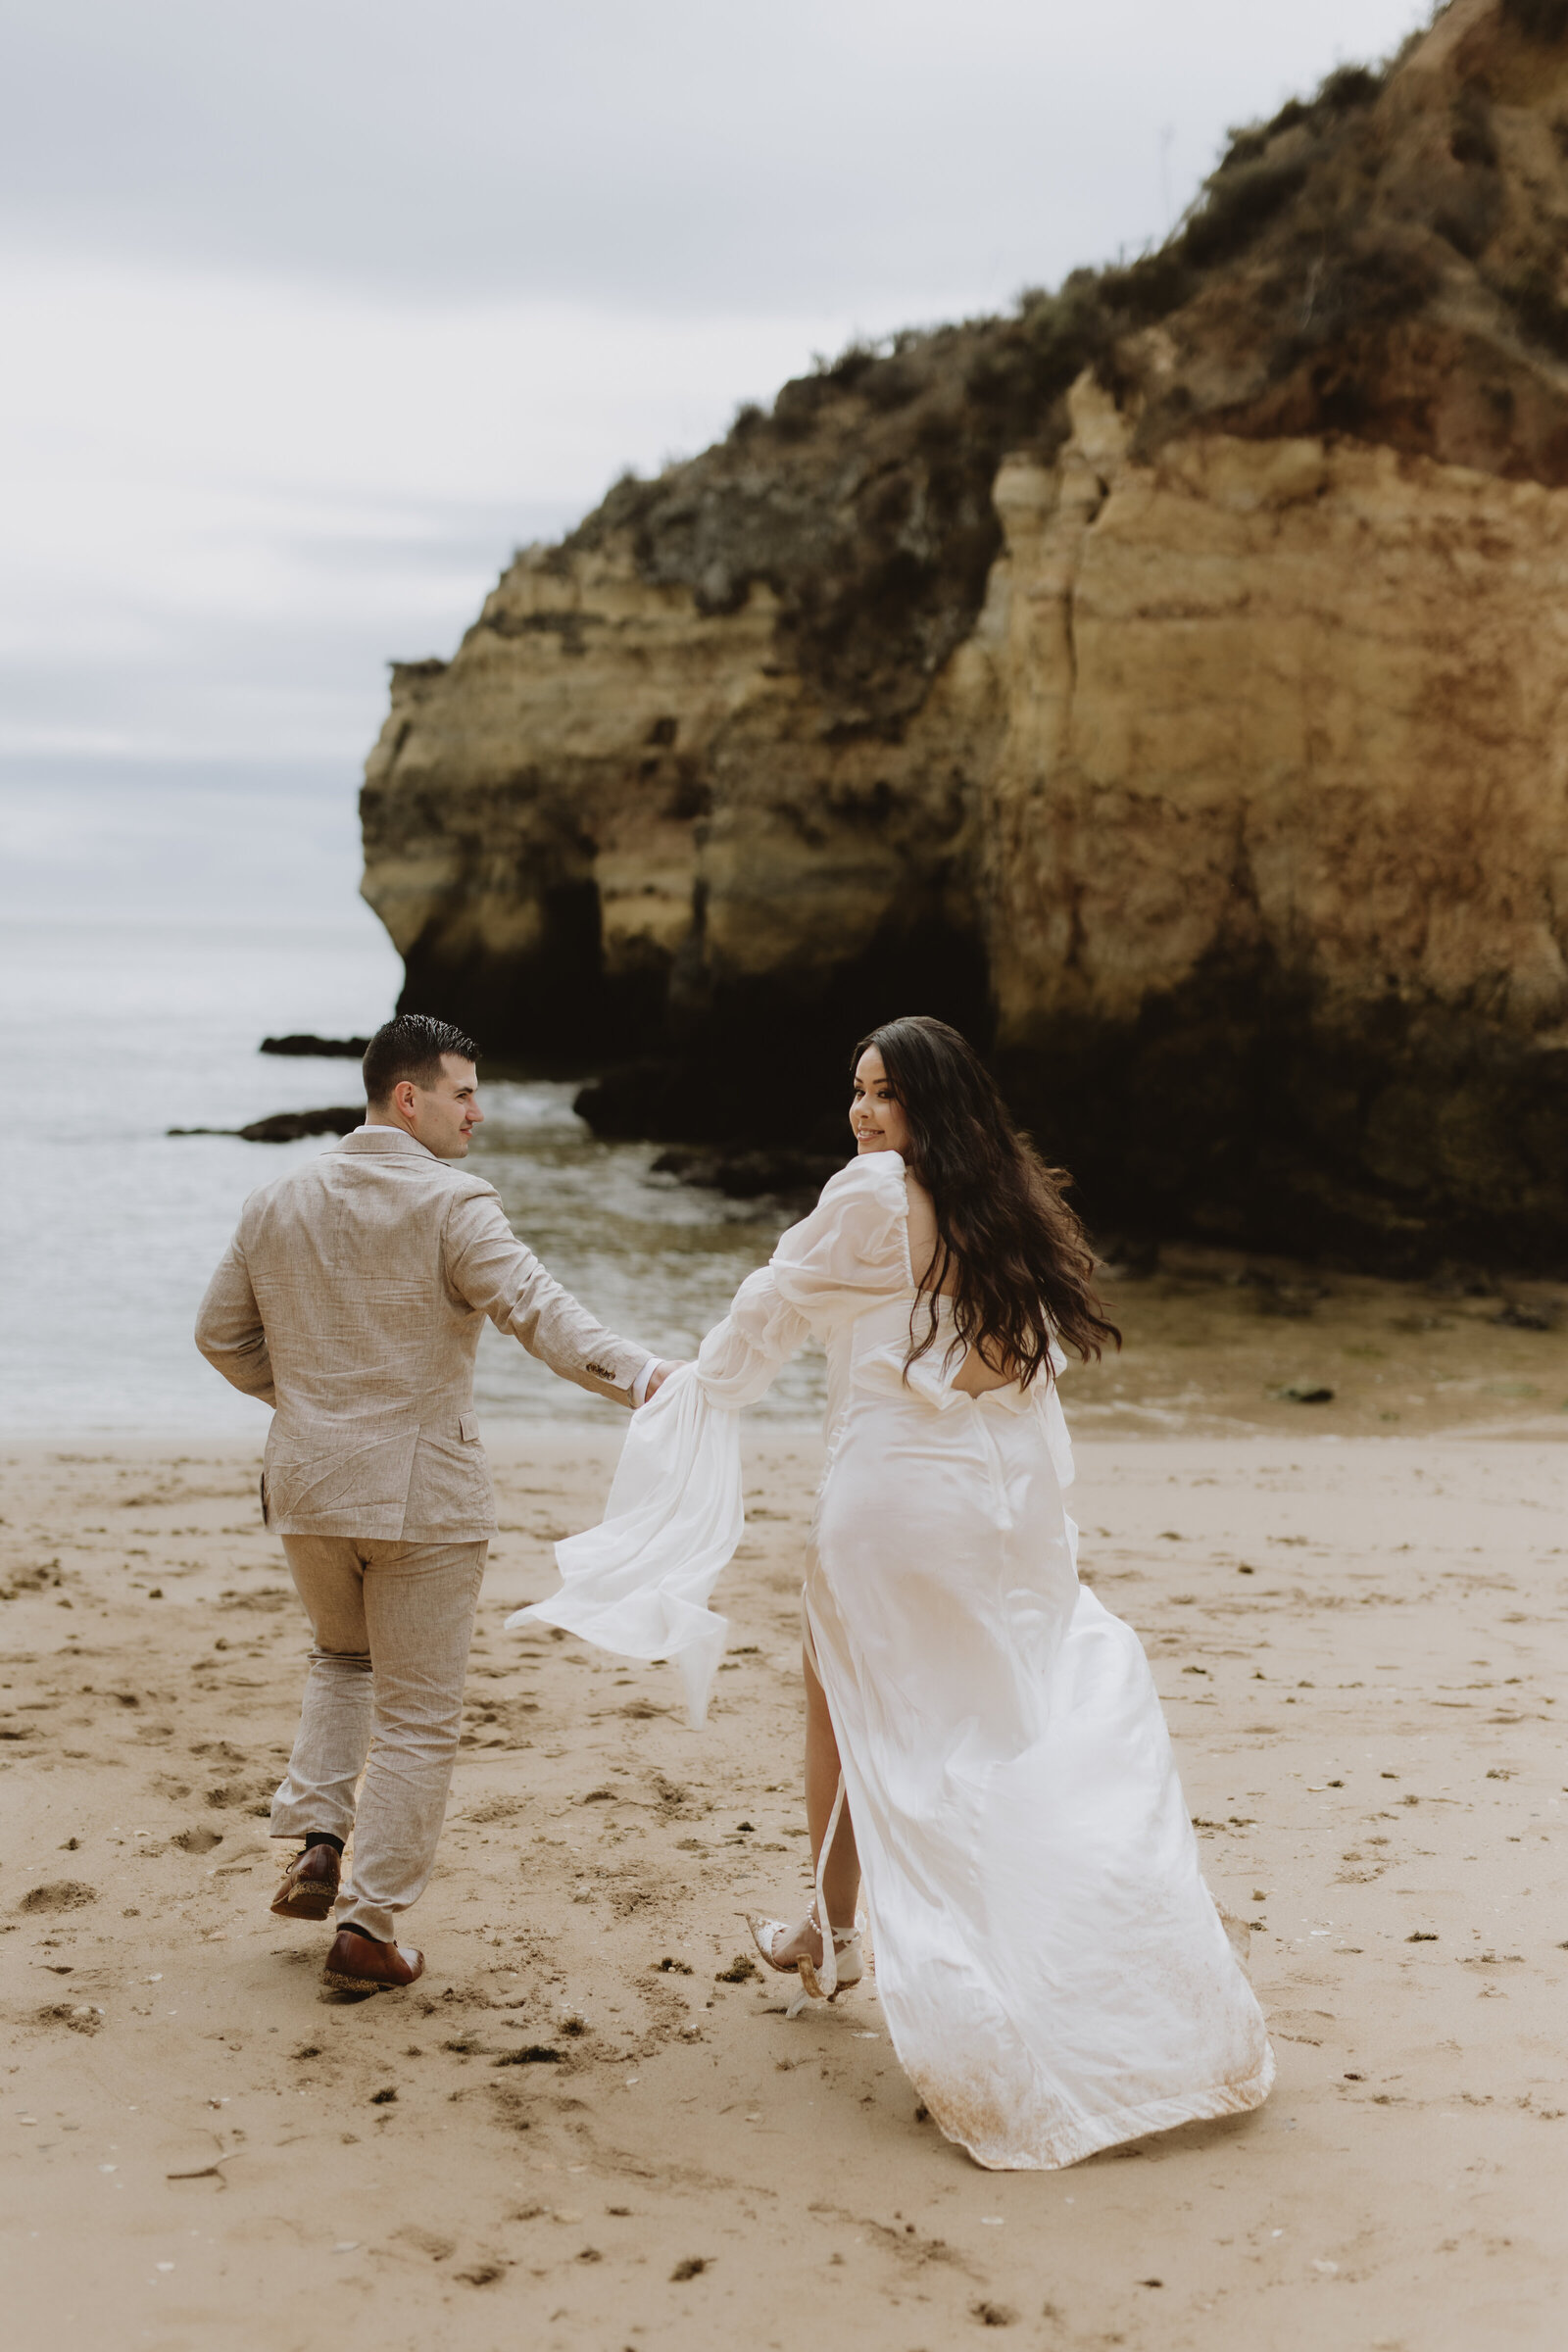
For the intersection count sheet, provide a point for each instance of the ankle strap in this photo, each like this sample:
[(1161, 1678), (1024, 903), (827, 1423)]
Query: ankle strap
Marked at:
[(842, 1937)]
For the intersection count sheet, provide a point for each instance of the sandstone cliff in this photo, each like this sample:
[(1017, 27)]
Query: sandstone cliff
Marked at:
[(1166, 683)]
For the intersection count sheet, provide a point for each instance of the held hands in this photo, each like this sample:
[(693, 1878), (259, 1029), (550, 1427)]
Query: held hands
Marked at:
[(656, 1379)]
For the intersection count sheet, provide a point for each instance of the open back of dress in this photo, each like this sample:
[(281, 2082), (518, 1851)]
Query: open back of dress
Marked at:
[(1051, 1967)]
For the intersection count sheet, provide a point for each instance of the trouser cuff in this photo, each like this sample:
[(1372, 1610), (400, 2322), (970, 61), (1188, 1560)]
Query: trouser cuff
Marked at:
[(369, 1918), (298, 1817)]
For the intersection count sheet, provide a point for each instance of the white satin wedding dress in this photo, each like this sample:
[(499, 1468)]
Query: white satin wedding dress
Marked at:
[(1052, 1968)]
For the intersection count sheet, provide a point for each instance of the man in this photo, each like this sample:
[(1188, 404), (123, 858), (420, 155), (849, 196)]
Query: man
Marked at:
[(350, 1301)]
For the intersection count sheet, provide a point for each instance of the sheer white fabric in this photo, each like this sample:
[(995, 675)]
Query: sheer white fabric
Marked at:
[(1053, 1971)]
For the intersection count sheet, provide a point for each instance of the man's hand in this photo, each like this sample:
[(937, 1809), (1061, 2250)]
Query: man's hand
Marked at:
[(656, 1379)]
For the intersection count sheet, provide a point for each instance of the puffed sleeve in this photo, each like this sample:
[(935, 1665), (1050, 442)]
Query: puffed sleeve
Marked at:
[(638, 1583), (853, 1249), (849, 1251)]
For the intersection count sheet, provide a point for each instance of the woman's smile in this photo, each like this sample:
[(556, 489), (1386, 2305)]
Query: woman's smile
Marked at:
[(877, 1118)]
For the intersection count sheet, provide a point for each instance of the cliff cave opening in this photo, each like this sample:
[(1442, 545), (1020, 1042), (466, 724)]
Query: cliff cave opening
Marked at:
[(794, 1031)]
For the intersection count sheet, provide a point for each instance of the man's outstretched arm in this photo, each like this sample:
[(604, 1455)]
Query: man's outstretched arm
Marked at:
[(487, 1265), (229, 1331)]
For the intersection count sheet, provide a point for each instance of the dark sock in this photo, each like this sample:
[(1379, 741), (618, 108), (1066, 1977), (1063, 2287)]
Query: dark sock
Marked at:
[(322, 1838), (364, 1933)]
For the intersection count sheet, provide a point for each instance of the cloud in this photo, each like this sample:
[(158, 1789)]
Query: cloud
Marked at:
[(229, 501), (697, 156), (315, 312), (125, 840)]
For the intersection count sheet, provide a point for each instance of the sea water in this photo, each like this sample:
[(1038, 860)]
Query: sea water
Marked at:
[(110, 1227)]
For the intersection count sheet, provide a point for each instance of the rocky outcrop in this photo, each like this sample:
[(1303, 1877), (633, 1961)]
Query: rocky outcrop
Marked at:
[(1167, 683), (288, 1126), (305, 1045)]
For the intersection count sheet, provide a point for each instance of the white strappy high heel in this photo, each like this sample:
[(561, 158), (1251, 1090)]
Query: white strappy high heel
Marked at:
[(843, 1961), (848, 1955)]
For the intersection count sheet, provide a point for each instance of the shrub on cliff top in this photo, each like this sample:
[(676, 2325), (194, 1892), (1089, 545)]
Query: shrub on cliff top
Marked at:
[(1363, 290), (1242, 201), (1540, 20), (1268, 163)]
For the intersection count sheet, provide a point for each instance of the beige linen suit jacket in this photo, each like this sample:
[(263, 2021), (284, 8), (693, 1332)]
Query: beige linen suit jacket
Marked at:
[(349, 1299)]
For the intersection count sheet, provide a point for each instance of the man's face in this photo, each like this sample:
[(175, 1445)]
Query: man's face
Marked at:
[(442, 1117)]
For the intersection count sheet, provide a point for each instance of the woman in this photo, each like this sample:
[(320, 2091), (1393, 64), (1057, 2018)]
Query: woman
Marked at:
[(983, 1737)]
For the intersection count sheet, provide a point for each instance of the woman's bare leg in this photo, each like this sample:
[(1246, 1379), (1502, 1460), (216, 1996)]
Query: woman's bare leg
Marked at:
[(842, 1880)]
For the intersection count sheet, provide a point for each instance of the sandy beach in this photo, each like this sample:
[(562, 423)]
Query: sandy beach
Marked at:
[(589, 2127)]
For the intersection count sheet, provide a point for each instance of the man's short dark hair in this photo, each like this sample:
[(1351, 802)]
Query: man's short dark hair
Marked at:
[(410, 1046)]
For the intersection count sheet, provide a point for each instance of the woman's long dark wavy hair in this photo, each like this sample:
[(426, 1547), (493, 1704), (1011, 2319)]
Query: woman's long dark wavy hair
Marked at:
[(1024, 1270)]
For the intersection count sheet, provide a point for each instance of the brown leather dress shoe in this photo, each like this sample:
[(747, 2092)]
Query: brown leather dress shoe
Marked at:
[(358, 1964), (310, 1884)]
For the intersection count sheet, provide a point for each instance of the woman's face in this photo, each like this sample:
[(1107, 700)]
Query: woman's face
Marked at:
[(876, 1117)]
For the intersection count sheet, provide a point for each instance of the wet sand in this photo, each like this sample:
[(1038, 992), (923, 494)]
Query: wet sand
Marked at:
[(586, 2127), (1216, 1340)]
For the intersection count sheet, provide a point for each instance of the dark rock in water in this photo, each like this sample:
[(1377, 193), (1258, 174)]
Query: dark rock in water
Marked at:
[(656, 1100), (324, 1049), (747, 1175), (1291, 1301), (649, 1101), (1304, 1392), (1520, 1314), (289, 1126), (666, 1101), (1128, 1256)]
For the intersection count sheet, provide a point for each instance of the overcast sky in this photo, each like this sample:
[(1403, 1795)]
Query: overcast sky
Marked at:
[(316, 308)]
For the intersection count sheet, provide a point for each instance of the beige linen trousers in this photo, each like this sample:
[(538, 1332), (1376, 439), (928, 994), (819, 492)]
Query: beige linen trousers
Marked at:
[(349, 1299)]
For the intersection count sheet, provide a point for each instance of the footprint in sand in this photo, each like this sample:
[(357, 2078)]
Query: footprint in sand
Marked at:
[(61, 1894), (80, 2017), (425, 2241)]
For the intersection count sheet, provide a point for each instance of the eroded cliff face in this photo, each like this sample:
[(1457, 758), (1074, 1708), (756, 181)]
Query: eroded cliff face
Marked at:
[(1275, 846), (618, 825), (1166, 684)]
